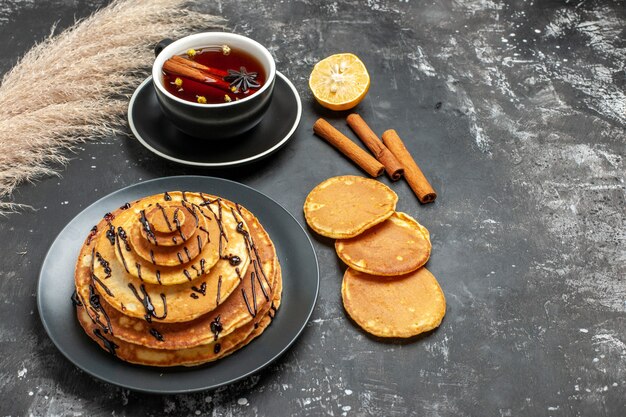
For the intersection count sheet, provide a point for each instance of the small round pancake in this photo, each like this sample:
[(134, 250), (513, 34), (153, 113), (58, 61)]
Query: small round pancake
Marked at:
[(401, 307), (343, 207), (396, 246), (171, 223)]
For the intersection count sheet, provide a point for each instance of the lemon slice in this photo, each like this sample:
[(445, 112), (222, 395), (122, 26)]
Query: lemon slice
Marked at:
[(340, 81)]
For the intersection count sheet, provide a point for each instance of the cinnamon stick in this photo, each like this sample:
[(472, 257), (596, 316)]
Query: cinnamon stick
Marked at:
[(413, 174), (193, 64), (375, 145), (183, 69), (364, 160)]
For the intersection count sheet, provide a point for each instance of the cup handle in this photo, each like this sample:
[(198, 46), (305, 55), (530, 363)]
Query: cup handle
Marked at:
[(161, 45)]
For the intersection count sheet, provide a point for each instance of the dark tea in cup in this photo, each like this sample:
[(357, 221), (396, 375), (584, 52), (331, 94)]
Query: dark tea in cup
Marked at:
[(213, 85), (213, 74)]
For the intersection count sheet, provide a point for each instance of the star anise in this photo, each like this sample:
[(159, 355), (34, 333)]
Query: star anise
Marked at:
[(242, 80)]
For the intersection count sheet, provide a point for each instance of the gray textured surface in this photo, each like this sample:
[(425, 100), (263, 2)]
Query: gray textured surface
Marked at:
[(527, 153)]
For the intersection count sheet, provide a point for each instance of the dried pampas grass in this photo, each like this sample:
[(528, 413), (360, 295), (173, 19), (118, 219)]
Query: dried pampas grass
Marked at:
[(83, 78)]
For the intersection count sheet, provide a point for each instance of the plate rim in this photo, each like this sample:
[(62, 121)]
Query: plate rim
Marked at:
[(237, 162), (184, 390)]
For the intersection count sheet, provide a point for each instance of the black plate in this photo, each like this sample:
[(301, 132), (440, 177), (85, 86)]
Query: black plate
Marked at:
[(156, 133), (300, 288)]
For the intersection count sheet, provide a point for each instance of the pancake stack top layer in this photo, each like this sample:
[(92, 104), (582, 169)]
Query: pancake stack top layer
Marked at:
[(386, 289), (176, 279)]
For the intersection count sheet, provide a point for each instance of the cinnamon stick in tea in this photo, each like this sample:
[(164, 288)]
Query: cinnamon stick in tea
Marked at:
[(193, 64), (413, 174), (350, 149), (375, 145), (184, 69)]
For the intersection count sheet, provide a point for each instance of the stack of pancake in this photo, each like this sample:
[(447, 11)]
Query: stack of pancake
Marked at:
[(177, 278), (386, 289)]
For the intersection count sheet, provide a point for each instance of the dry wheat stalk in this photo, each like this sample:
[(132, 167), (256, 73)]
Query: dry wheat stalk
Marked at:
[(84, 77)]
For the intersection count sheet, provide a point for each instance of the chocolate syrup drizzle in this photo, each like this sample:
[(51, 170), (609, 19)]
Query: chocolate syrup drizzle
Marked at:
[(125, 206), (256, 266), (105, 265), (96, 308), (108, 344), (148, 229), (245, 298), (216, 327), (251, 247), (95, 278), (92, 234), (138, 266), (158, 336), (158, 276), (167, 197), (187, 274), (76, 302), (122, 234), (219, 290), (178, 226), (217, 348), (272, 311), (201, 290), (152, 257), (195, 206), (194, 295), (207, 203), (192, 210), (110, 234), (147, 303), (119, 251), (253, 289), (167, 221), (104, 287), (94, 301), (258, 269)]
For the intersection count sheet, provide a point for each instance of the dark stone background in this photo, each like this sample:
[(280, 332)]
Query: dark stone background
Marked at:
[(526, 151)]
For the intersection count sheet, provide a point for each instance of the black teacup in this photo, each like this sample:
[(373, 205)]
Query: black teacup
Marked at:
[(214, 121)]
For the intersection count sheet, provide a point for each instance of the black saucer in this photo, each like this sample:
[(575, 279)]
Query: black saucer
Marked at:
[(156, 133)]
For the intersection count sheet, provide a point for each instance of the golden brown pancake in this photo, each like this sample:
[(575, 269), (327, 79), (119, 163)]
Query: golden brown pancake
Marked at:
[(177, 264), (171, 223), (343, 207), (396, 246), (402, 306), (236, 311), (188, 357), (258, 327), (196, 240), (133, 297)]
